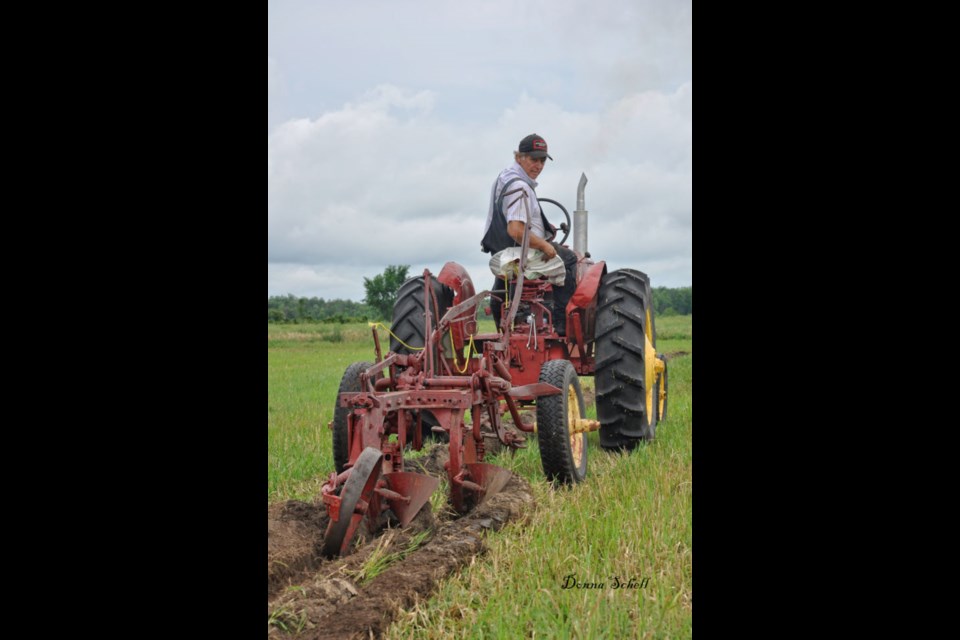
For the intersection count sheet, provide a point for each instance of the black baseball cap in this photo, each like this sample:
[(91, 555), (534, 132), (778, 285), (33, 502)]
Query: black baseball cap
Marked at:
[(534, 146)]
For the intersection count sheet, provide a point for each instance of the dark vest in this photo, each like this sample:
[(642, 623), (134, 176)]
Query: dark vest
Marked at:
[(497, 239)]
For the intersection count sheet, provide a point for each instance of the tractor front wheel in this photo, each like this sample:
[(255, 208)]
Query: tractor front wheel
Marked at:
[(563, 449)]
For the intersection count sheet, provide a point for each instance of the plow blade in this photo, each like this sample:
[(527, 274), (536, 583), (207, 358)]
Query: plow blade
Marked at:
[(414, 489), (490, 477)]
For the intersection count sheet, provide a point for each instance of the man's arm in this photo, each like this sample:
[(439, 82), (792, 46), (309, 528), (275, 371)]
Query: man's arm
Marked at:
[(515, 229)]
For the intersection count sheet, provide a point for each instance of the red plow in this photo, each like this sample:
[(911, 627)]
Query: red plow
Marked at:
[(388, 413)]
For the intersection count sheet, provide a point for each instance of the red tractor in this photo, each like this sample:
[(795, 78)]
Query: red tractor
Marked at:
[(439, 369)]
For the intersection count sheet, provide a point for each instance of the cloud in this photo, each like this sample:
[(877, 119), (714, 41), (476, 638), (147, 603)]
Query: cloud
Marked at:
[(273, 78), (387, 124), (386, 179), (477, 57)]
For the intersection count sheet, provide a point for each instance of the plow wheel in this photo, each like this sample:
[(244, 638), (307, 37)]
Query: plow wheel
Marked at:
[(349, 382), (563, 451), (626, 338), (357, 490)]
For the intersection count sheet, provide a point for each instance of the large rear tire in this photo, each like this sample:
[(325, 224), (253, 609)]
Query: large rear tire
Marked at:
[(627, 393), (350, 382), (408, 313), (408, 326), (563, 453)]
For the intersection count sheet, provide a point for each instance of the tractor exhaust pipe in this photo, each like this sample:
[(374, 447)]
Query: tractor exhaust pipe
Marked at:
[(580, 220)]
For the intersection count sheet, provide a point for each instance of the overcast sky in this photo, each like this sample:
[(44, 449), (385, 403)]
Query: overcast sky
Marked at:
[(389, 120)]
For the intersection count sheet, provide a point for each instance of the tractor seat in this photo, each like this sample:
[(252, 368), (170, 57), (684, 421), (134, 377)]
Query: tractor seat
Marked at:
[(535, 289)]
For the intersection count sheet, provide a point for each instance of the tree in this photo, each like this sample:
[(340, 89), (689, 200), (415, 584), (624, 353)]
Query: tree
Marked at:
[(667, 302), (382, 289)]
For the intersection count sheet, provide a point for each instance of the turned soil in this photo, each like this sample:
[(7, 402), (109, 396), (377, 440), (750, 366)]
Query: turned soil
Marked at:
[(309, 596)]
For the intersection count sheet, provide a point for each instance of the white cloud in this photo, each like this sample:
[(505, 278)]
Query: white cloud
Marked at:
[(387, 125), (385, 181)]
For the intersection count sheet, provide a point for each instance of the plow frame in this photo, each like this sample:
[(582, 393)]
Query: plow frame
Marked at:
[(505, 375)]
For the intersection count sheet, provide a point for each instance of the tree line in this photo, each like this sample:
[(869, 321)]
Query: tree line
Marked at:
[(290, 308), (293, 309), (673, 302)]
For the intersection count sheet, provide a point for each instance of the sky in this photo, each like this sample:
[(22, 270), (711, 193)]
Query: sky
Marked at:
[(388, 122)]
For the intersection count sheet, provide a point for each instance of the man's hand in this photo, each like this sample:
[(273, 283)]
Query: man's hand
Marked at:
[(515, 229), (548, 250)]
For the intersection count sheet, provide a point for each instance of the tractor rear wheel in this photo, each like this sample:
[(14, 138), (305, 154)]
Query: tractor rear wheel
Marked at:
[(349, 382), (563, 451), (625, 372), (408, 313), (408, 326)]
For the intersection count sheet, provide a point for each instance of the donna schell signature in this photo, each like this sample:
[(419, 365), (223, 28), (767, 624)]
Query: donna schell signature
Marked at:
[(615, 582)]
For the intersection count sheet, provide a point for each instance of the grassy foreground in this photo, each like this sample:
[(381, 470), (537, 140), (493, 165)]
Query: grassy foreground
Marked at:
[(608, 558)]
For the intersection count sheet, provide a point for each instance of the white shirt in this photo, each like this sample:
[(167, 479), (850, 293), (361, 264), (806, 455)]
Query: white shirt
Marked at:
[(514, 207)]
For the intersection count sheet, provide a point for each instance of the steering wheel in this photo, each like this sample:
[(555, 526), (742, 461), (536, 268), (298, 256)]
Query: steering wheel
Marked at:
[(564, 226)]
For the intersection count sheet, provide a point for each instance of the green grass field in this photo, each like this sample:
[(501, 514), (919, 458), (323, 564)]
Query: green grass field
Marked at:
[(629, 523)]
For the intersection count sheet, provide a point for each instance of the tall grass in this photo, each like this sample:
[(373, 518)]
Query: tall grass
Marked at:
[(630, 520), (304, 367)]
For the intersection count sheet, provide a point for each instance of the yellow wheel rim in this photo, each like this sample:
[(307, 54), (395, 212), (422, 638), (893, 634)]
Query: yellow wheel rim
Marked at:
[(649, 354), (573, 415), (662, 399)]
